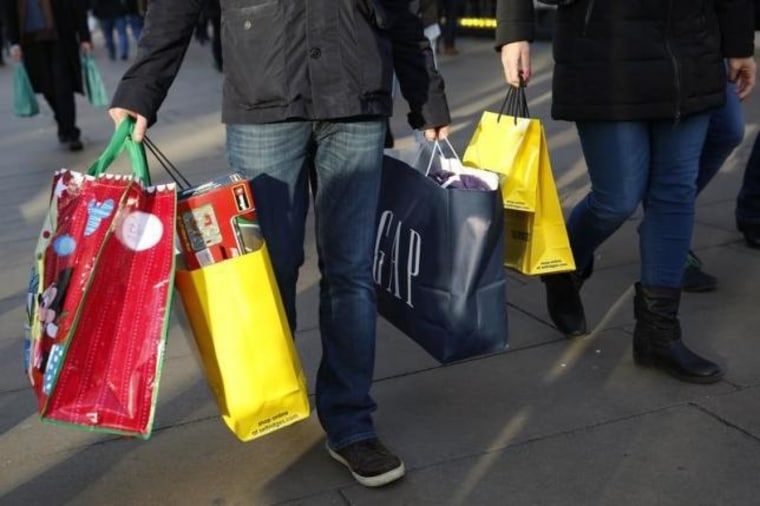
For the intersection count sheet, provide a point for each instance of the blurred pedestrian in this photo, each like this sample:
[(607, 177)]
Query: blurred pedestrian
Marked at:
[(134, 17), (302, 78), (449, 11), (48, 35), (112, 17), (639, 79)]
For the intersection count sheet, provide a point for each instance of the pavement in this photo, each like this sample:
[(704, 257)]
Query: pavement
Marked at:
[(550, 421)]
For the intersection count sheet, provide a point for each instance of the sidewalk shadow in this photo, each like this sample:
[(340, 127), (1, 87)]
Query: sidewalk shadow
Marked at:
[(107, 453)]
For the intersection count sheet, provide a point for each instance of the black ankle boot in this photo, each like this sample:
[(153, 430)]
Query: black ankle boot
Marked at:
[(657, 337), (563, 301)]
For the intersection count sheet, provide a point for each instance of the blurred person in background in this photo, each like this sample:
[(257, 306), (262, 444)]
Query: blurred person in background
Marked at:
[(449, 11), (48, 35), (112, 17), (135, 14)]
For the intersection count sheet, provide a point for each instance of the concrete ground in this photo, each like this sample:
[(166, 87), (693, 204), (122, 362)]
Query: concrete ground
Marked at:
[(551, 421)]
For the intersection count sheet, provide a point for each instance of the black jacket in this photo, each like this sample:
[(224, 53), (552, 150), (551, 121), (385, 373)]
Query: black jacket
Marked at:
[(623, 60), (296, 59)]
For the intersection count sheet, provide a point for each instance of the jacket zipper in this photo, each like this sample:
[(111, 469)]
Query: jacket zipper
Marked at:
[(674, 60), (587, 18)]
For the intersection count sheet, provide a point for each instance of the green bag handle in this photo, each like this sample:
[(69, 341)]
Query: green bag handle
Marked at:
[(121, 139)]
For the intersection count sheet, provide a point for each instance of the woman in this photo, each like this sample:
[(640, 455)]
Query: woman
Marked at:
[(639, 79)]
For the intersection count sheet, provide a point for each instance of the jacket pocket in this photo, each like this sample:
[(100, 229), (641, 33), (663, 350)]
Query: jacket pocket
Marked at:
[(254, 45)]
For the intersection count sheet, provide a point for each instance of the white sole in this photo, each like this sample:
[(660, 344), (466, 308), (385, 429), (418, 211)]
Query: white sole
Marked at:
[(371, 481)]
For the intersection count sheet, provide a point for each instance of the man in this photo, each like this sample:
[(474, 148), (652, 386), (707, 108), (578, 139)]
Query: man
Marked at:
[(48, 36), (302, 73)]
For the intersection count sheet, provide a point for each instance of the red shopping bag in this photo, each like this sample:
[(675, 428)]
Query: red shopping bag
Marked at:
[(99, 296)]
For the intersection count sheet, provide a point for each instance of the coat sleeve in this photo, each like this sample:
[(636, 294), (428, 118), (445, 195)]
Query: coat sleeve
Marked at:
[(515, 21), (737, 27), (167, 32), (421, 84)]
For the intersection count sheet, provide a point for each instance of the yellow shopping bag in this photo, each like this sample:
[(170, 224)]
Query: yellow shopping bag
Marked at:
[(515, 146), (242, 333), (537, 242), (511, 147)]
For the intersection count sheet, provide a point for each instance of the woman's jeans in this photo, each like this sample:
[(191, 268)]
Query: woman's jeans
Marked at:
[(347, 156), (654, 163)]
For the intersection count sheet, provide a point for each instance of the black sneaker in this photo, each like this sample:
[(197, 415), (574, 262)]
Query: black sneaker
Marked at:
[(75, 145), (696, 280), (370, 462)]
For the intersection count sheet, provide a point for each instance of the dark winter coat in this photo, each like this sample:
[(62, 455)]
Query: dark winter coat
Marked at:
[(70, 19), (626, 60), (299, 59)]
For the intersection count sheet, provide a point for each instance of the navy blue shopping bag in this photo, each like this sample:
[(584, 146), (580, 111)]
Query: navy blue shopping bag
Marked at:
[(438, 266)]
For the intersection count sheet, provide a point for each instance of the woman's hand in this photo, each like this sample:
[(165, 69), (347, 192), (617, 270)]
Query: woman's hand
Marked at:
[(742, 71), (515, 58)]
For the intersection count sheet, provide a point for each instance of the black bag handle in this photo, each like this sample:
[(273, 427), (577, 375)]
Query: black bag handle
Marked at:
[(515, 103), (169, 167)]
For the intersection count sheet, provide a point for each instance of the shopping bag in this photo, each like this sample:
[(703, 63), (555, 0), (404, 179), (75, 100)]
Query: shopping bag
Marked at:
[(509, 145), (536, 240), (537, 243), (24, 100), (94, 88), (438, 263), (245, 344), (99, 296)]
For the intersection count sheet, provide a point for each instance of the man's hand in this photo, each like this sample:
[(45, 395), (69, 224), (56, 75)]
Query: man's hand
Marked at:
[(141, 124), (16, 53), (743, 72), (515, 58), (437, 133)]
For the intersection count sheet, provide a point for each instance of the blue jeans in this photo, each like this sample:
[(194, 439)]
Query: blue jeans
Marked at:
[(348, 162), (107, 26), (724, 134), (654, 163), (135, 24), (748, 202)]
